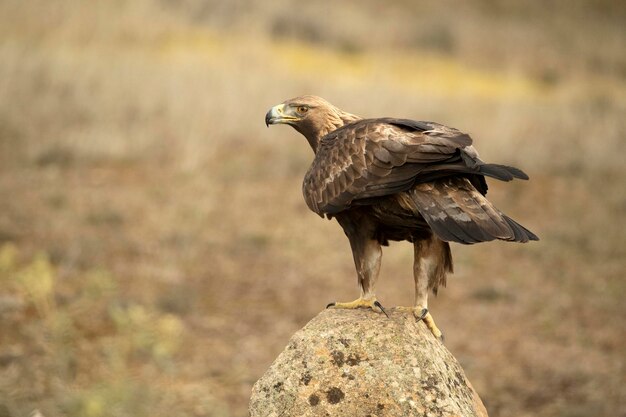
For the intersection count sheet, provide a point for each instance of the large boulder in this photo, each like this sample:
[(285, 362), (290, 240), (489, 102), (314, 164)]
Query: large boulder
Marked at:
[(360, 363)]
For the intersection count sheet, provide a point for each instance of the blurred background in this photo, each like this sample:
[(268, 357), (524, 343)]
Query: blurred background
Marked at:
[(156, 253)]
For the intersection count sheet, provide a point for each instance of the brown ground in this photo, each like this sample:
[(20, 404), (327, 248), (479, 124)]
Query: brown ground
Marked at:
[(156, 253)]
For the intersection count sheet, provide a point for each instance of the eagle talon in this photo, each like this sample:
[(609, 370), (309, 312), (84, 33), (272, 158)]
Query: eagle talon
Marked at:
[(430, 323), (379, 305), (331, 304), (422, 314)]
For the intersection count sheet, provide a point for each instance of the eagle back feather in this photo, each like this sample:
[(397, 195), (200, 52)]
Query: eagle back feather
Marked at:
[(378, 157)]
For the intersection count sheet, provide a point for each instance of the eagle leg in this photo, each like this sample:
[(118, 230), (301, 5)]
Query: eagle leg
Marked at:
[(431, 264), (373, 304), (367, 253)]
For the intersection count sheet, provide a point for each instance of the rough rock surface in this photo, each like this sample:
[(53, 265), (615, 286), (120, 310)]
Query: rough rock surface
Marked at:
[(360, 363)]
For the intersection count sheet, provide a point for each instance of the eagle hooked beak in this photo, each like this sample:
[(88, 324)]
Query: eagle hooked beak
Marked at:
[(277, 115)]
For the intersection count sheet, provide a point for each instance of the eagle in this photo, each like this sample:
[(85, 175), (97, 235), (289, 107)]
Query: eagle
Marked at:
[(389, 179)]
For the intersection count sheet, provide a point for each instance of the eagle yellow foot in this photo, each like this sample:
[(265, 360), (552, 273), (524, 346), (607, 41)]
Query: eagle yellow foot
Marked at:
[(360, 303), (422, 314)]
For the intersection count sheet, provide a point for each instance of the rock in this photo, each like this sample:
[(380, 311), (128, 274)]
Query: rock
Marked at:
[(360, 363)]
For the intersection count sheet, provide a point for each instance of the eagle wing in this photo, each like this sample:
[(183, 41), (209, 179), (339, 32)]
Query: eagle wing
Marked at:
[(457, 212), (378, 157)]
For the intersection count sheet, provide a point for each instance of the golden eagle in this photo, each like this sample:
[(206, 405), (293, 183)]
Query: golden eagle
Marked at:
[(398, 179)]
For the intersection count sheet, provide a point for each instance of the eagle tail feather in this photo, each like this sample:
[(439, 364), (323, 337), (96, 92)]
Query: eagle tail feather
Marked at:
[(502, 172), (457, 212), (522, 234)]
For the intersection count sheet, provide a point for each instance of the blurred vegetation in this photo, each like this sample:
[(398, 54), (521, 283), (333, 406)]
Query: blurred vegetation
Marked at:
[(155, 250), (86, 331)]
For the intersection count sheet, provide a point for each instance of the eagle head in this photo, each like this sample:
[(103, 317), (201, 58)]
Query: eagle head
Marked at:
[(312, 116)]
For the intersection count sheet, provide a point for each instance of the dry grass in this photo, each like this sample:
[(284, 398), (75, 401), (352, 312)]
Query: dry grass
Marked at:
[(156, 253)]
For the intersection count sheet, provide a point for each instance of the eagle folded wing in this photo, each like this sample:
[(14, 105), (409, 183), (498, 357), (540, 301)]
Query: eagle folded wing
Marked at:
[(457, 212), (378, 157)]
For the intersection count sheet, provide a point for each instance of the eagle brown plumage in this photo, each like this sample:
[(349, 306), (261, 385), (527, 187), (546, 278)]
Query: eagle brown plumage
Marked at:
[(398, 179)]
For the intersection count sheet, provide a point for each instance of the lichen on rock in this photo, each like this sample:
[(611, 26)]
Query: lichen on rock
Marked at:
[(357, 362)]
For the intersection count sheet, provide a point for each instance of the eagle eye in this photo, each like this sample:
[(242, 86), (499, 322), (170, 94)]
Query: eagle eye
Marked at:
[(302, 109)]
